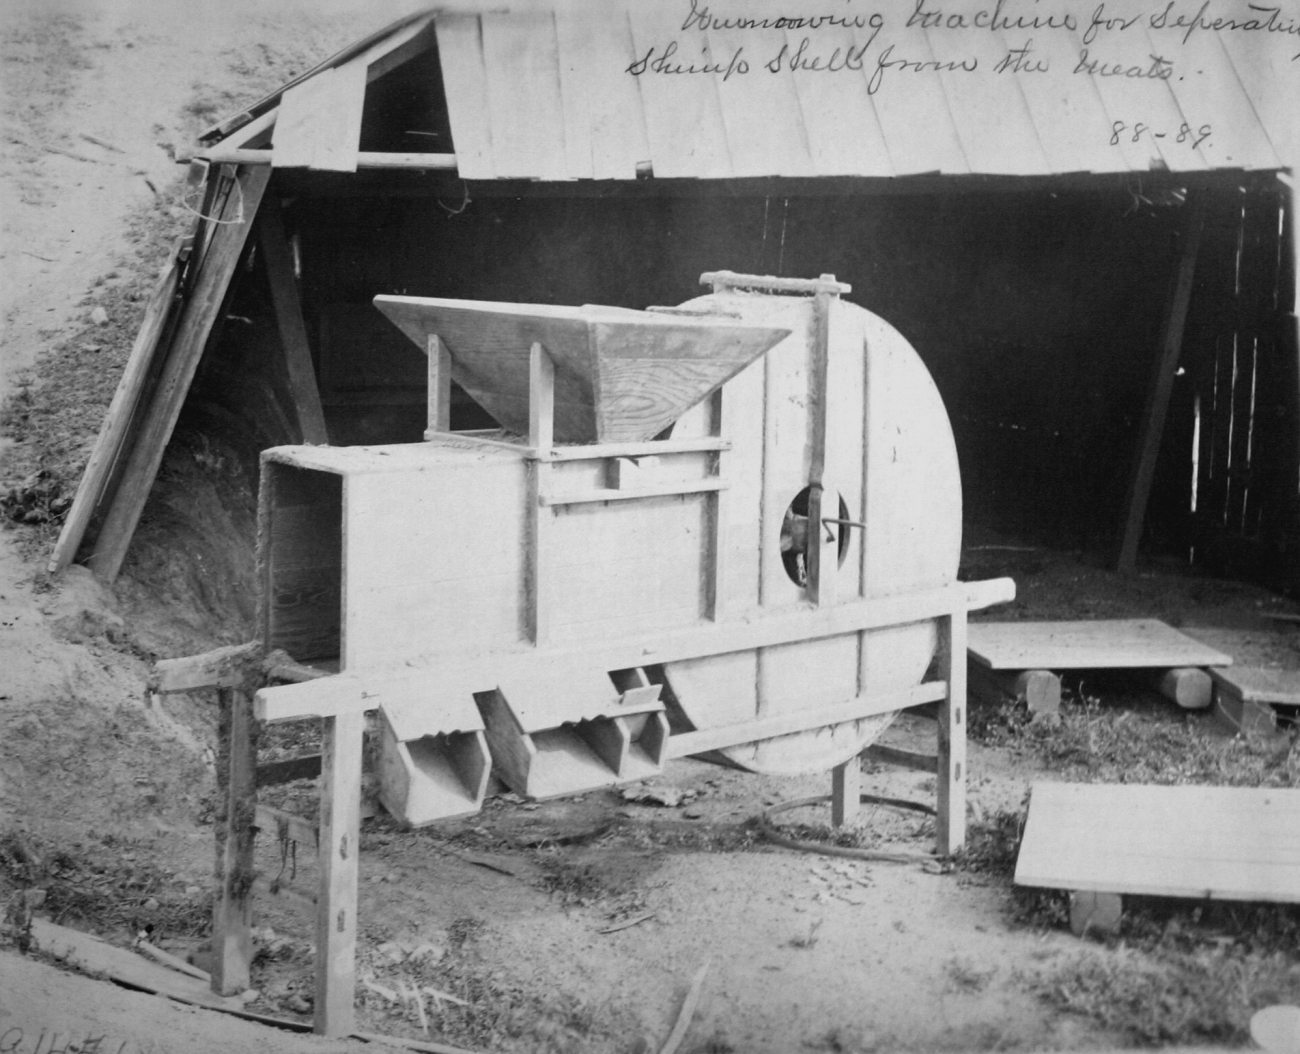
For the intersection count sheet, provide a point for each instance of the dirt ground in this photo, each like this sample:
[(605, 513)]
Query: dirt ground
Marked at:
[(573, 925)]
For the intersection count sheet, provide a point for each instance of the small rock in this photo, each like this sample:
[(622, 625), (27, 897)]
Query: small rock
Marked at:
[(193, 891), (427, 952), (152, 904), (297, 1004), (693, 814), (250, 996), (393, 952), (99, 316)]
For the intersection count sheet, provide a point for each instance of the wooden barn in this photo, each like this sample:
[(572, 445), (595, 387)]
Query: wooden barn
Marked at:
[(1084, 229)]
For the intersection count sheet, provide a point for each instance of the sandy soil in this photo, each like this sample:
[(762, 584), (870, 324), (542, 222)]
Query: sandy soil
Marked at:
[(804, 952)]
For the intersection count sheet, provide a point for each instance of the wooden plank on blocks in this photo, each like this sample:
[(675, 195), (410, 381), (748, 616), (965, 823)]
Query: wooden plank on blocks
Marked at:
[(1099, 644), (1220, 843), (336, 897), (950, 818), (186, 348), (96, 477), (288, 319), (1160, 390), (232, 922)]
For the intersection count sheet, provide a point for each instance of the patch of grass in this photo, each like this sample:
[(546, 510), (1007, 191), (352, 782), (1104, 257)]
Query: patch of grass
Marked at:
[(966, 976), (1172, 998), (1098, 742), (490, 1009)]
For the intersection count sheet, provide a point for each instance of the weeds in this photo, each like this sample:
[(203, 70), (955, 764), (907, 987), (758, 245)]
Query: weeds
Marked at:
[(1096, 743), (1171, 998)]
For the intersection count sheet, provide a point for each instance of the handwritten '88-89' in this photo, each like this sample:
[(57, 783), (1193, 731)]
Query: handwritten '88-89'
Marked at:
[(1186, 133)]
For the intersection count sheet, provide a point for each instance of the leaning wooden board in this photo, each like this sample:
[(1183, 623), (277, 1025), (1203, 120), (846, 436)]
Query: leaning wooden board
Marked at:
[(1224, 843), (1103, 644)]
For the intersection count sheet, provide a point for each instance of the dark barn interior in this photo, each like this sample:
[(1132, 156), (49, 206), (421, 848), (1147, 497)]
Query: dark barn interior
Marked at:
[(1038, 307)]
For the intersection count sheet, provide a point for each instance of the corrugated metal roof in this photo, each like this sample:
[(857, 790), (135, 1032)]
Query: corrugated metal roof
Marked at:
[(841, 87)]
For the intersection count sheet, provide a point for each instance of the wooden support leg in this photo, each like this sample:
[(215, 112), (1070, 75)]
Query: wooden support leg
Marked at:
[(232, 934), (846, 791), (439, 395), (336, 899), (950, 823), (541, 437)]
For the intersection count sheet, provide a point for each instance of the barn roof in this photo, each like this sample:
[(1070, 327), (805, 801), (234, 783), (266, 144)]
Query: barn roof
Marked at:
[(688, 89)]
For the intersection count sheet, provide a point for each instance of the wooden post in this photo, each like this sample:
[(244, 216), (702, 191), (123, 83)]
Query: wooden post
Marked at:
[(288, 319), (950, 821), (541, 437), (846, 791), (232, 935), (96, 478), (718, 519), (439, 396), (821, 561), (336, 897), (1162, 384)]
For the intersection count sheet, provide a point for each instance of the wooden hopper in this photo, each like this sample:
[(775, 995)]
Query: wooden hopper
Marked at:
[(620, 375)]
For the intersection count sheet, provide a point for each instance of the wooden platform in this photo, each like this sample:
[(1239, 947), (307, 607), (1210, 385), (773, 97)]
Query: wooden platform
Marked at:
[(1104, 644), (1223, 843)]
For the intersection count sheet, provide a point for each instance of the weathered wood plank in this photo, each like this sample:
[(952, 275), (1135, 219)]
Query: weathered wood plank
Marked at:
[(701, 742), (232, 933), (460, 54), (683, 115), (950, 817), (1160, 390), (1088, 645), (293, 331), (336, 897), (186, 348), (91, 491), (1223, 843), (594, 56), (228, 667), (520, 57)]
